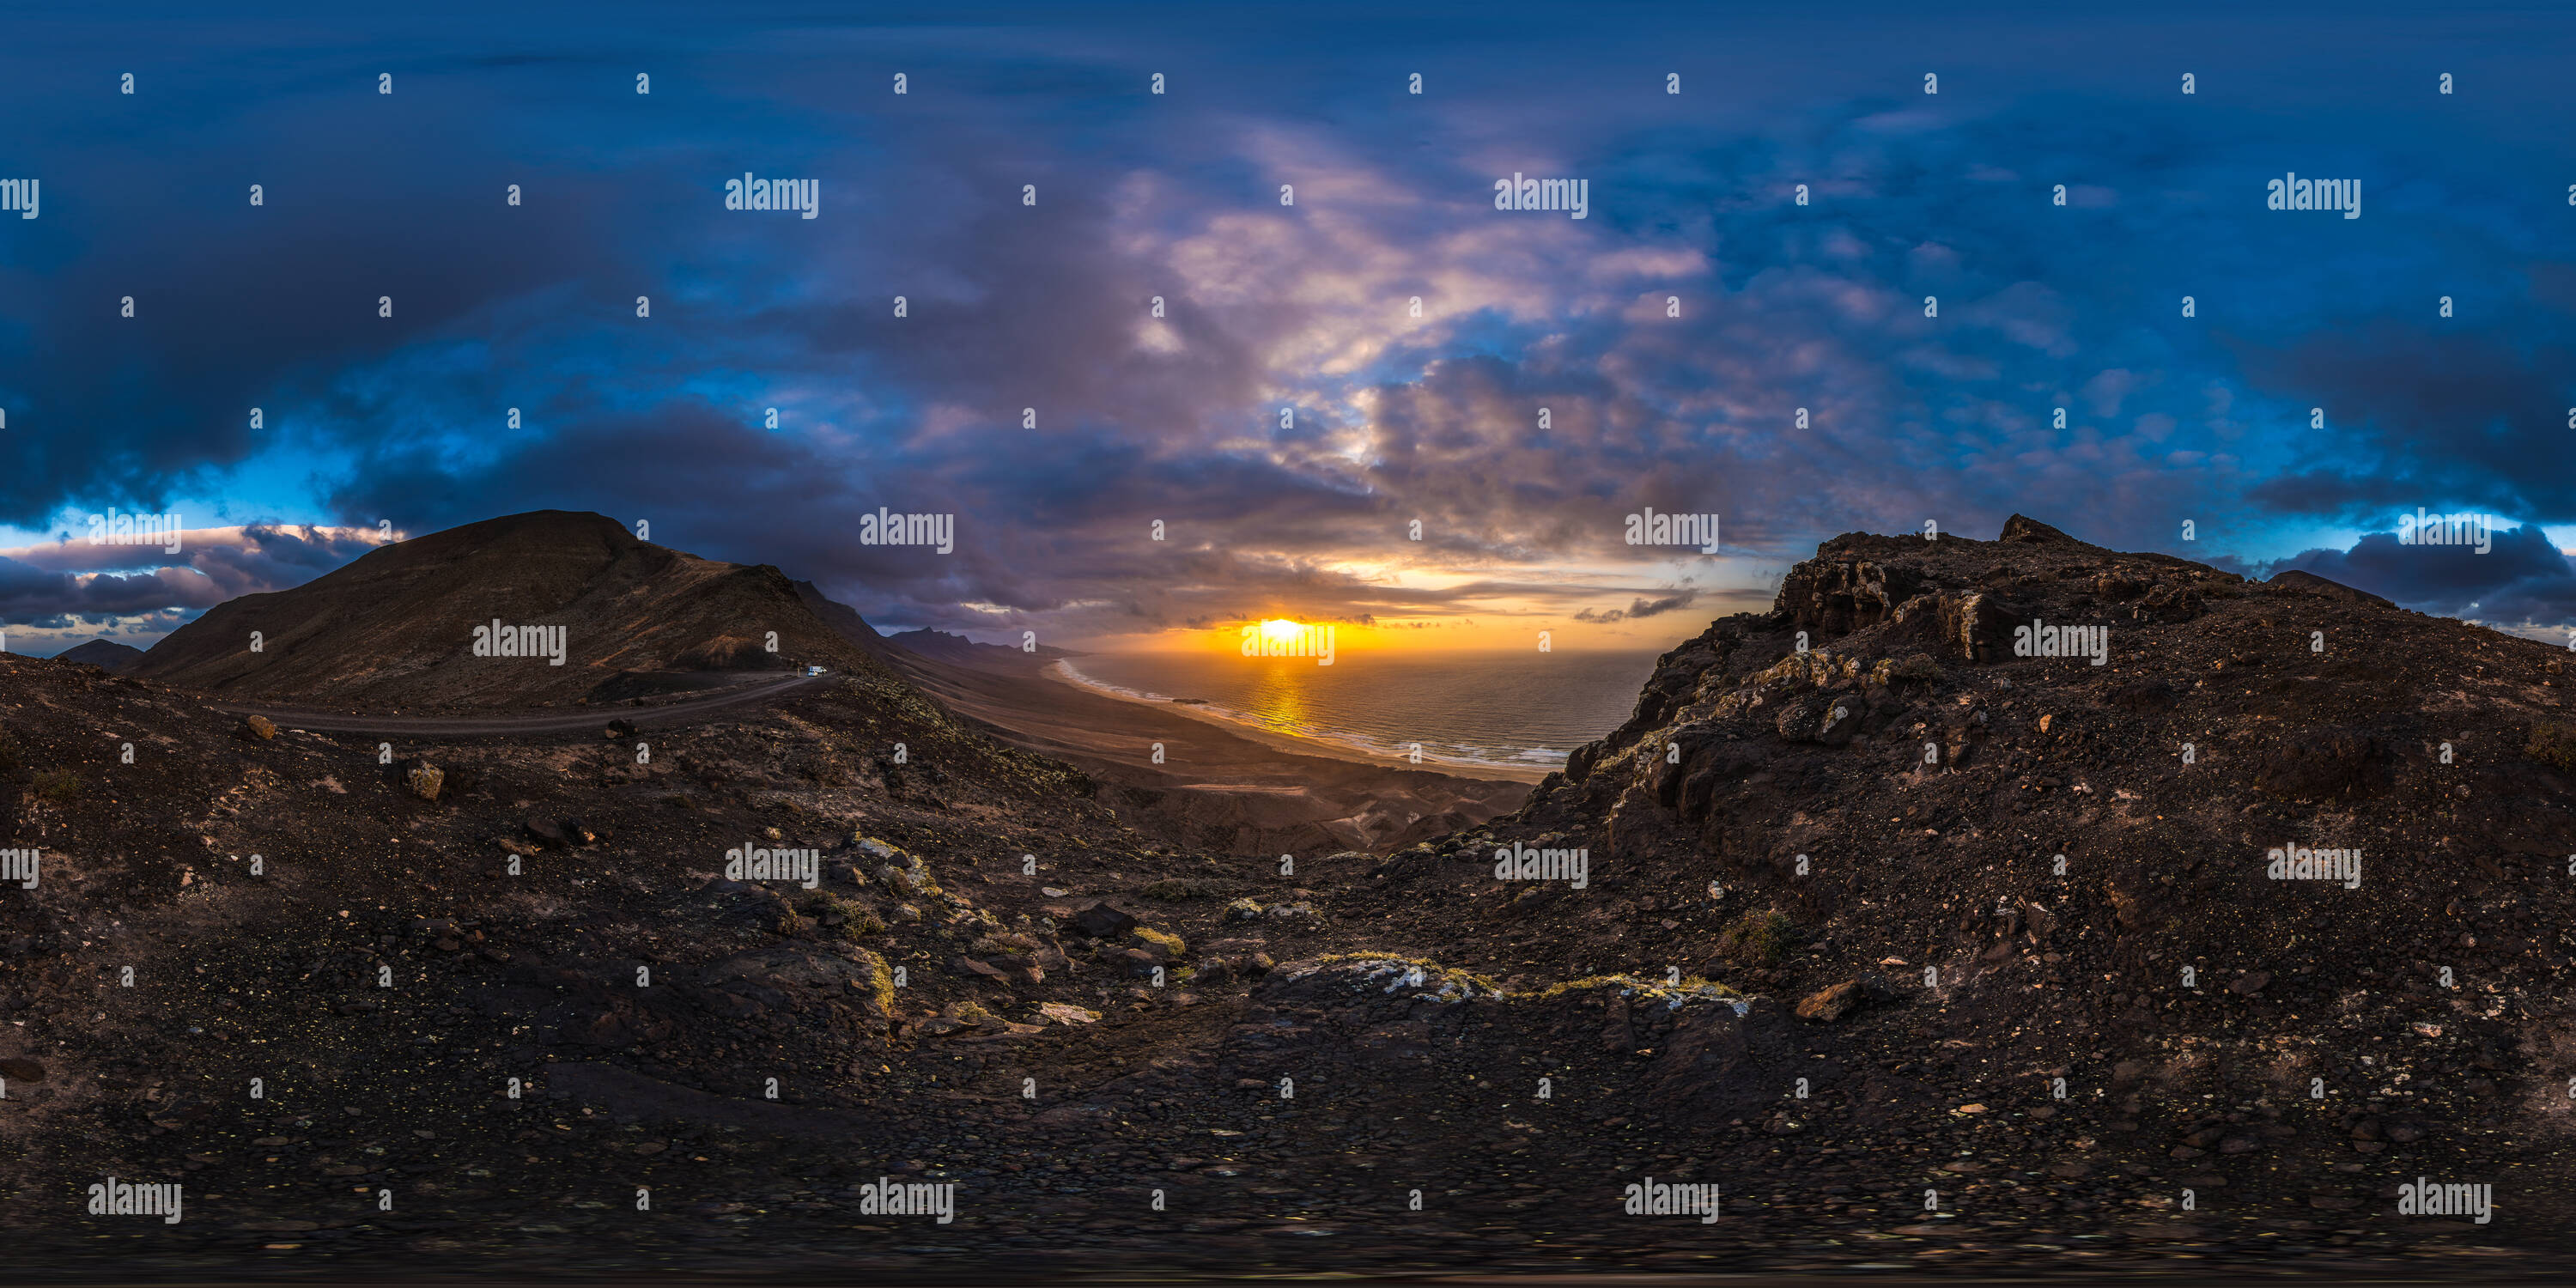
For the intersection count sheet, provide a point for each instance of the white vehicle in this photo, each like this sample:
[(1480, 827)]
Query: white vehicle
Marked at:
[(813, 670)]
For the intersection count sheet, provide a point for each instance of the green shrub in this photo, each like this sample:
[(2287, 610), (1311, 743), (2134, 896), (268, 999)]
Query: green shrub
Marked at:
[(2553, 744), (1756, 938), (58, 785), (856, 918)]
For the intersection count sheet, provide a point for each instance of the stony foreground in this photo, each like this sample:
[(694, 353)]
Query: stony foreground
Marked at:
[(1831, 872)]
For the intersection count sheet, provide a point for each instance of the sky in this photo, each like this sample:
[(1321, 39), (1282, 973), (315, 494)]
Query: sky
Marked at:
[(1352, 338)]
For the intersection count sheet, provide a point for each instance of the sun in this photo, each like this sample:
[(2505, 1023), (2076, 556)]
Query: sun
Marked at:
[(1280, 628)]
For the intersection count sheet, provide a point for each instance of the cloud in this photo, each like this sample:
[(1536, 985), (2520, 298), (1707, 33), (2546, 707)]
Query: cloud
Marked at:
[(1700, 343), (2522, 579), (71, 581), (1639, 609)]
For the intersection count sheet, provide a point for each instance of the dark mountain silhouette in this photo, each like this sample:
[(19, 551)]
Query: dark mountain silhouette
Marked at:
[(103, 653), (959, 650), (2277, 885), (398, 626), (844, 621), (1818, 947)]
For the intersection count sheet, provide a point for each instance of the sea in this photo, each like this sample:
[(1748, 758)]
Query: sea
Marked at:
[(1468, 710)]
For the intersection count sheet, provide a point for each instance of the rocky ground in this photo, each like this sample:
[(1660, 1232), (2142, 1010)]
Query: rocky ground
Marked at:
[(1161, 1060)]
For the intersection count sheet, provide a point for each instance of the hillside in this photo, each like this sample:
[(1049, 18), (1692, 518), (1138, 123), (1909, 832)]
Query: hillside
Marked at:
[(1872, 829), (398, 626), (958, 650), (1820, 955), (107, 654)]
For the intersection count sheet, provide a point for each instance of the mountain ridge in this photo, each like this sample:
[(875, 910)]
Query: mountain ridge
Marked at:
[(400, 624)]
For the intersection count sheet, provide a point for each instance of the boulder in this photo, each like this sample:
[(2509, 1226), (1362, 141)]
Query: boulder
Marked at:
[(1975, 626), (1834, 596), (1798, 719), (1826, 1005), (424, 780), (1841, 721), (1100, 921), (2170, 603), (2025, 529)]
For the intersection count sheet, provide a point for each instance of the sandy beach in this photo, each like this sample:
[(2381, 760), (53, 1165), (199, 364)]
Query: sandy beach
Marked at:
[(1225, 787), (1297, 746)]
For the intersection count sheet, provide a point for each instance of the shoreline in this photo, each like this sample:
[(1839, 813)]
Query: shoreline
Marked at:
[(1306, 746)]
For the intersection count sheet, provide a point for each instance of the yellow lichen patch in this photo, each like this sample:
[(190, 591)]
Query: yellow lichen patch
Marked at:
[(1692, 988), (1418, 973)]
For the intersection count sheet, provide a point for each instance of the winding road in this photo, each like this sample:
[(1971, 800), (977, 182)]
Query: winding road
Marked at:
[(588, 720)]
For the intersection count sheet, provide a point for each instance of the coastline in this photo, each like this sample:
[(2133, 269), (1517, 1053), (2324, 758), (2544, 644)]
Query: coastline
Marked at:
[(1305, 746), (1211, 784)]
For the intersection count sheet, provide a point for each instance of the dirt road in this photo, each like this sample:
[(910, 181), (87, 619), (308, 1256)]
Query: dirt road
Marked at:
[(689, 712)]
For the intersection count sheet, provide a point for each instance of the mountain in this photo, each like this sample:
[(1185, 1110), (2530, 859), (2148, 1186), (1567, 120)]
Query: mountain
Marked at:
[(958, 650), (399, 625), (102, 653), (1798, 929), (843, 621), (2272, 875)]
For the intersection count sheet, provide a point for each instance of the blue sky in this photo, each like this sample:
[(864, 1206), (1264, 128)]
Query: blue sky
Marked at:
[(368, 420)]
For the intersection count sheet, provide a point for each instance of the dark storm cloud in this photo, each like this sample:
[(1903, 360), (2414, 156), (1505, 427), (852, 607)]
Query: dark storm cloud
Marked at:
[(234, 307), (1638, 609), (33, 595), (2521, 579), (1398, 418), (2476, 417), (104, 582)]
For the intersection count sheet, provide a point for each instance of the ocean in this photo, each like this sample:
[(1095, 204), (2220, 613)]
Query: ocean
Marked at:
[(1468, 710)]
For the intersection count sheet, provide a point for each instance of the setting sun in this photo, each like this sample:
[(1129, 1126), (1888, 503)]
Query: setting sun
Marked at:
[(1280, 628)]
